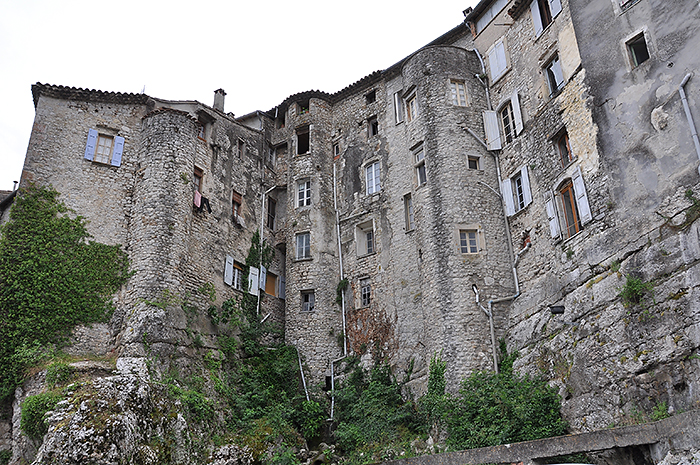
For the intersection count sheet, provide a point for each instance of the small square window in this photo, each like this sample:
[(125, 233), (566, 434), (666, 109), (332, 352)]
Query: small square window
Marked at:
[(473, 162), (459, 93), (303, 246), (372, 173), (304, 193), (638, 51), (467, 241), (303, 107), (308, 301), (371, 97), (365, 292), (372, 127)]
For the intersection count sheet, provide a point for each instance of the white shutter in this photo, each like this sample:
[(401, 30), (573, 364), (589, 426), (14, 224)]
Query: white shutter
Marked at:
[(552, 216), (263, 277), (118, 149), (555, 7), (536, 19), (584, 208), (228, 270), (507, 192), (91, 144), (527, 193), (558, 75), (253, 279), (493, 133), (517, 115), (398, 107), (501, 57)]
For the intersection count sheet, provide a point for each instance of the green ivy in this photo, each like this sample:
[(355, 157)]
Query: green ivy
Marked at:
[(52, 277)]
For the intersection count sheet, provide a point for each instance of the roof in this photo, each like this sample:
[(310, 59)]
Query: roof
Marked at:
[(482, 6), (85, 95)]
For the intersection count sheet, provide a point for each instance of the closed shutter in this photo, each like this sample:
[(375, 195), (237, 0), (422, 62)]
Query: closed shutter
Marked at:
[(263, 277), (536, 19), (253, 280), (493, 133), (507, 192), (552, 217), (584, 208), (555, 7), (527, 193), (517, 115), (118, 149), (228, 270), (91, 144)]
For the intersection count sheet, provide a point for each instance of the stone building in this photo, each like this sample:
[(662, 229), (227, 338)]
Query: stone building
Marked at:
[(519, 166)]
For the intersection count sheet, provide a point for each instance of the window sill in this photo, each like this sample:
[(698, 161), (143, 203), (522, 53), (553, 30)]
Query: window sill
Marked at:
[(303, 259), (367, 255)]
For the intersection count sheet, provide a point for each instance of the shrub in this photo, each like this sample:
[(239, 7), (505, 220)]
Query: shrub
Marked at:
[(33, 410), (634, 290)]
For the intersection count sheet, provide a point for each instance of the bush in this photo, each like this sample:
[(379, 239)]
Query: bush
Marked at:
[(33, 410), (634, 290)]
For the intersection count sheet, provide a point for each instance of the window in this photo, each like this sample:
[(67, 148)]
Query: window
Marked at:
[(543, 13), (308, 301), (236, 202), (371, 97), (516, 191), (303, 107), (271, 284), (365, 292), (364, 234), (563, 148), (197, 179), (467, 241), (103, 148), (497, 60), (411, 108), (398, 107), (372, 178), (372, 126), (507, 122), (473, 162), (419, 160), (304, 193), (555, 78), (504, 125), (240, 146), (568, 211), (303, 140), (233, 273), (489, 14), (303, 246), (271, 206), (336, 150), (637, 49), (459, 93), (408, 212)]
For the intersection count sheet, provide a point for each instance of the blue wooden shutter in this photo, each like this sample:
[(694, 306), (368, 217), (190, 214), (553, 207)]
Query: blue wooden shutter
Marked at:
[(118, 149), (91, 144), (536, 19), (584, 208), (228, 270)]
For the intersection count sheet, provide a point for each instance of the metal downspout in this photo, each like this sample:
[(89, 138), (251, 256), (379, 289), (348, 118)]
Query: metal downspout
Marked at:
[(691, 123)]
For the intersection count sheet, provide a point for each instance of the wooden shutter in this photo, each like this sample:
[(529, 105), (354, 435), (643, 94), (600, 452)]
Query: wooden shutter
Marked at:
[(555, 7), (584, 208), (536, 18), (517, 115), (398, 107), (527, 193), (263, 277), (228, 270), (91, 144), (253, 280), (492, 131), (118, 149), (507, 192), (552, 216)]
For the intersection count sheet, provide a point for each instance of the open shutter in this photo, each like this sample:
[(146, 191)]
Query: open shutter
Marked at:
[(228, 270), (536, 18), (517, 115), (118, 149), (558, 75), (253, 280), (527, 193), (493, 133), (501, 57), (507, 192), (263, 277), (91, 144), (281, 293), (398, 107), (555, 7), (552, 216), (584, 208)]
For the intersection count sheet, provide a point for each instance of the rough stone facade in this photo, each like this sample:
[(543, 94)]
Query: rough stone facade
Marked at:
[(512, 167)]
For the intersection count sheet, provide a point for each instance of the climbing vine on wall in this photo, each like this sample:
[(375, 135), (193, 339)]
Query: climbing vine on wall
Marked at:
[(52, 277)]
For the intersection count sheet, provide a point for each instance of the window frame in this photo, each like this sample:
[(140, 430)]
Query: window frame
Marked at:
[(365, 292), (366, 238), (303, 194), (418, 153), (372, 126), (457, 99), (509, 194), (572, 182), (552, 8), (303, 139), (302, 249), (411, 107), (630, 47), (409, 213), (507, 127), (308, 300), (399, 111), (469, 241), (374, 170), (477, 162), (567, 156), (553, 71)]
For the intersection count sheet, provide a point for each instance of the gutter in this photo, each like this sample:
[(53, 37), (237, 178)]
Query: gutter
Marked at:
[(689, 116)]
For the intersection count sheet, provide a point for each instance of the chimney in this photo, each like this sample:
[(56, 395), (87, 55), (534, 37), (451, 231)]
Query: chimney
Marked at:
[(219, 96)]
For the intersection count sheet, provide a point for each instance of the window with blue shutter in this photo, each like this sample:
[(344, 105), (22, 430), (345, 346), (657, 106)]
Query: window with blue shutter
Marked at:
[(118, 149), (105, 149), (91, 144)]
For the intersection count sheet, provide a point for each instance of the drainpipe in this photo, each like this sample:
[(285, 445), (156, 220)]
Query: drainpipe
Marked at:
[(342, 294), (691, 123), (262, 225), (483, 72)]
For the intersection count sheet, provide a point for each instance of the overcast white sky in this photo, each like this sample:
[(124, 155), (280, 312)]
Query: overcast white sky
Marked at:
[(258, 52)]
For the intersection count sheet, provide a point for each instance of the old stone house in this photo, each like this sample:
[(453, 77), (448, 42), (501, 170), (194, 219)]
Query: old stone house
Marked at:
[(500, 182)]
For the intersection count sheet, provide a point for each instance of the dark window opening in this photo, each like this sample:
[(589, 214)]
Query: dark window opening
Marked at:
[(373, 126), (473, 163), (303, 141), (639, 53), (198, 174), (237, 201), (303, 106), (545, 12), (271, 205), (280, 120), (371, 97), (564, 149), (571, 215)]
